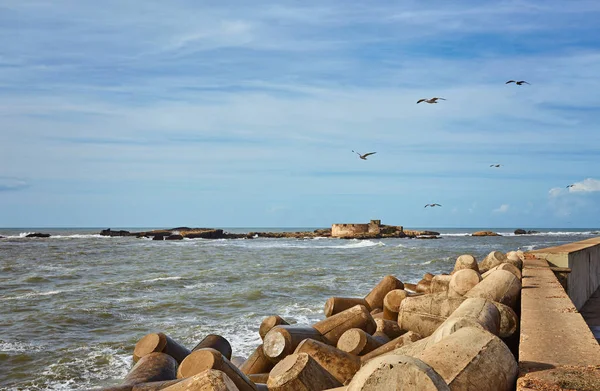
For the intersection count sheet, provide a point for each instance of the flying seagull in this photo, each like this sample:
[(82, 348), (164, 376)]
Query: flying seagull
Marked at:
[(495, 165), (364, 157), (570, 186), (519, 82), (432, 100), (432, 205)]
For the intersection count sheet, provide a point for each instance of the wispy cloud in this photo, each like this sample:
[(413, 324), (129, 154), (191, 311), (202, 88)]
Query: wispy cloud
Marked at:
[(502, 209), (12, 184), (588, 185)]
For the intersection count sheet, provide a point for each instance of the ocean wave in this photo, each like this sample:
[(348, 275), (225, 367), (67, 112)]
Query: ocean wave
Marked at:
[(201, 285), (31, 294), (302, 244), (73, 236), (541, 233), (19, 347), (162, 279)]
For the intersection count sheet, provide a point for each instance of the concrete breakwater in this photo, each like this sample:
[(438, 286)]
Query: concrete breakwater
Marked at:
[(456, 331)]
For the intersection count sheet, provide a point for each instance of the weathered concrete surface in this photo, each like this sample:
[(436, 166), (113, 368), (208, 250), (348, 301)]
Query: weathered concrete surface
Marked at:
[(555, 340), (591, 314), (583, 258)]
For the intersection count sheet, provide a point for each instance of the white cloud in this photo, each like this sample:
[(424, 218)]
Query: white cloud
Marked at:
[(587, 185), (556, 191), (502, 209)]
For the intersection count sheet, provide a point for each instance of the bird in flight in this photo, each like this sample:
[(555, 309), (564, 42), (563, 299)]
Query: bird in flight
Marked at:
[(364, 157), (519, 82), (432, 100), (495, 165), (432, 205), (570, 186)]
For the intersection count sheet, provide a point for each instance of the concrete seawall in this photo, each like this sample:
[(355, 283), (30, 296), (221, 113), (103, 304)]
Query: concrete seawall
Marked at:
[(557, 347), (583, 258)]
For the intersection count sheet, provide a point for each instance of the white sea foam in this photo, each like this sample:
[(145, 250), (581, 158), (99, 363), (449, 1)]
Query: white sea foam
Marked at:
[(84, 366), (31, 294), (18, 347), (302, 244), (201, 286), (162, 279)]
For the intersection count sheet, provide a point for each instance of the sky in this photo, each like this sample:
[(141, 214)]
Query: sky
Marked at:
[(147, 113)]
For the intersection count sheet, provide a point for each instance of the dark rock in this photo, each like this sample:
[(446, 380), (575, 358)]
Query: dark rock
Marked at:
[(203, 234), (158, 237), (520, 231), (174, 237), (532, 232), (109, 232), (38, 235), (1, 237)]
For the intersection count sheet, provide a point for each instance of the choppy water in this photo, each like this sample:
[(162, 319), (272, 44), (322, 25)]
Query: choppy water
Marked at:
[(73, 306)]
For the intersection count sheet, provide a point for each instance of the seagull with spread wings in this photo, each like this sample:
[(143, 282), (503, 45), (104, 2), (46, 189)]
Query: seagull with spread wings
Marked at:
[(432, 205), (517, 82), (570, 186), (431, 100), (495, 165), (364, 157)]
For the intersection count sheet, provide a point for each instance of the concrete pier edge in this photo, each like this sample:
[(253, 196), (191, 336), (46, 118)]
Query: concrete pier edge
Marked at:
[(557, 347)]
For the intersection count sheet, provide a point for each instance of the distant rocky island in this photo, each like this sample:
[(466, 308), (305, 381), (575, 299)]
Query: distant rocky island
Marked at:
[(372, 230)]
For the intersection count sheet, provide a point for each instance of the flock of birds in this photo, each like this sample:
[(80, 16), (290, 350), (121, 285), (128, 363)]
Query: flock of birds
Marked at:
[(435, 100)]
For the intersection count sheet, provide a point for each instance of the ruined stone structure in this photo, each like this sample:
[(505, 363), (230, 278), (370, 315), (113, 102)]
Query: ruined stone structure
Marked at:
[(344, 230)]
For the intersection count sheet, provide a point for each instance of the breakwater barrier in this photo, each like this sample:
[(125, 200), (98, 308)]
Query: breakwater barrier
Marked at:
[(502, 323)]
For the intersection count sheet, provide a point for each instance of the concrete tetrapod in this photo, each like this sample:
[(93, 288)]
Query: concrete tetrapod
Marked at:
[(423, 286), (283, 340), (333, 327), (340, 365), (423, 314), (155, 385), (391, 303), (357, 342), (268, 323), (396, 372), (375, 297), (208, 380), (516, 259), (259, 377), (149, 368), (472, 359), (504, 266), (380, 336), (494, 258), (500, 285), (440, 283), (258, 362), (465, 261), (479, 313), (462, 281), (201, 360), (335, 305), (389, 328), (396, 343), (159, 342), (216, 342), (300, 372)]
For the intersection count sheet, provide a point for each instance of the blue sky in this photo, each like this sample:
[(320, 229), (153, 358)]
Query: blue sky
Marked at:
[(235, 113)]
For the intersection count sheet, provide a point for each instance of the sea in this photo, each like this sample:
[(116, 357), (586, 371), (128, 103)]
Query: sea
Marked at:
[(72, 306)]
